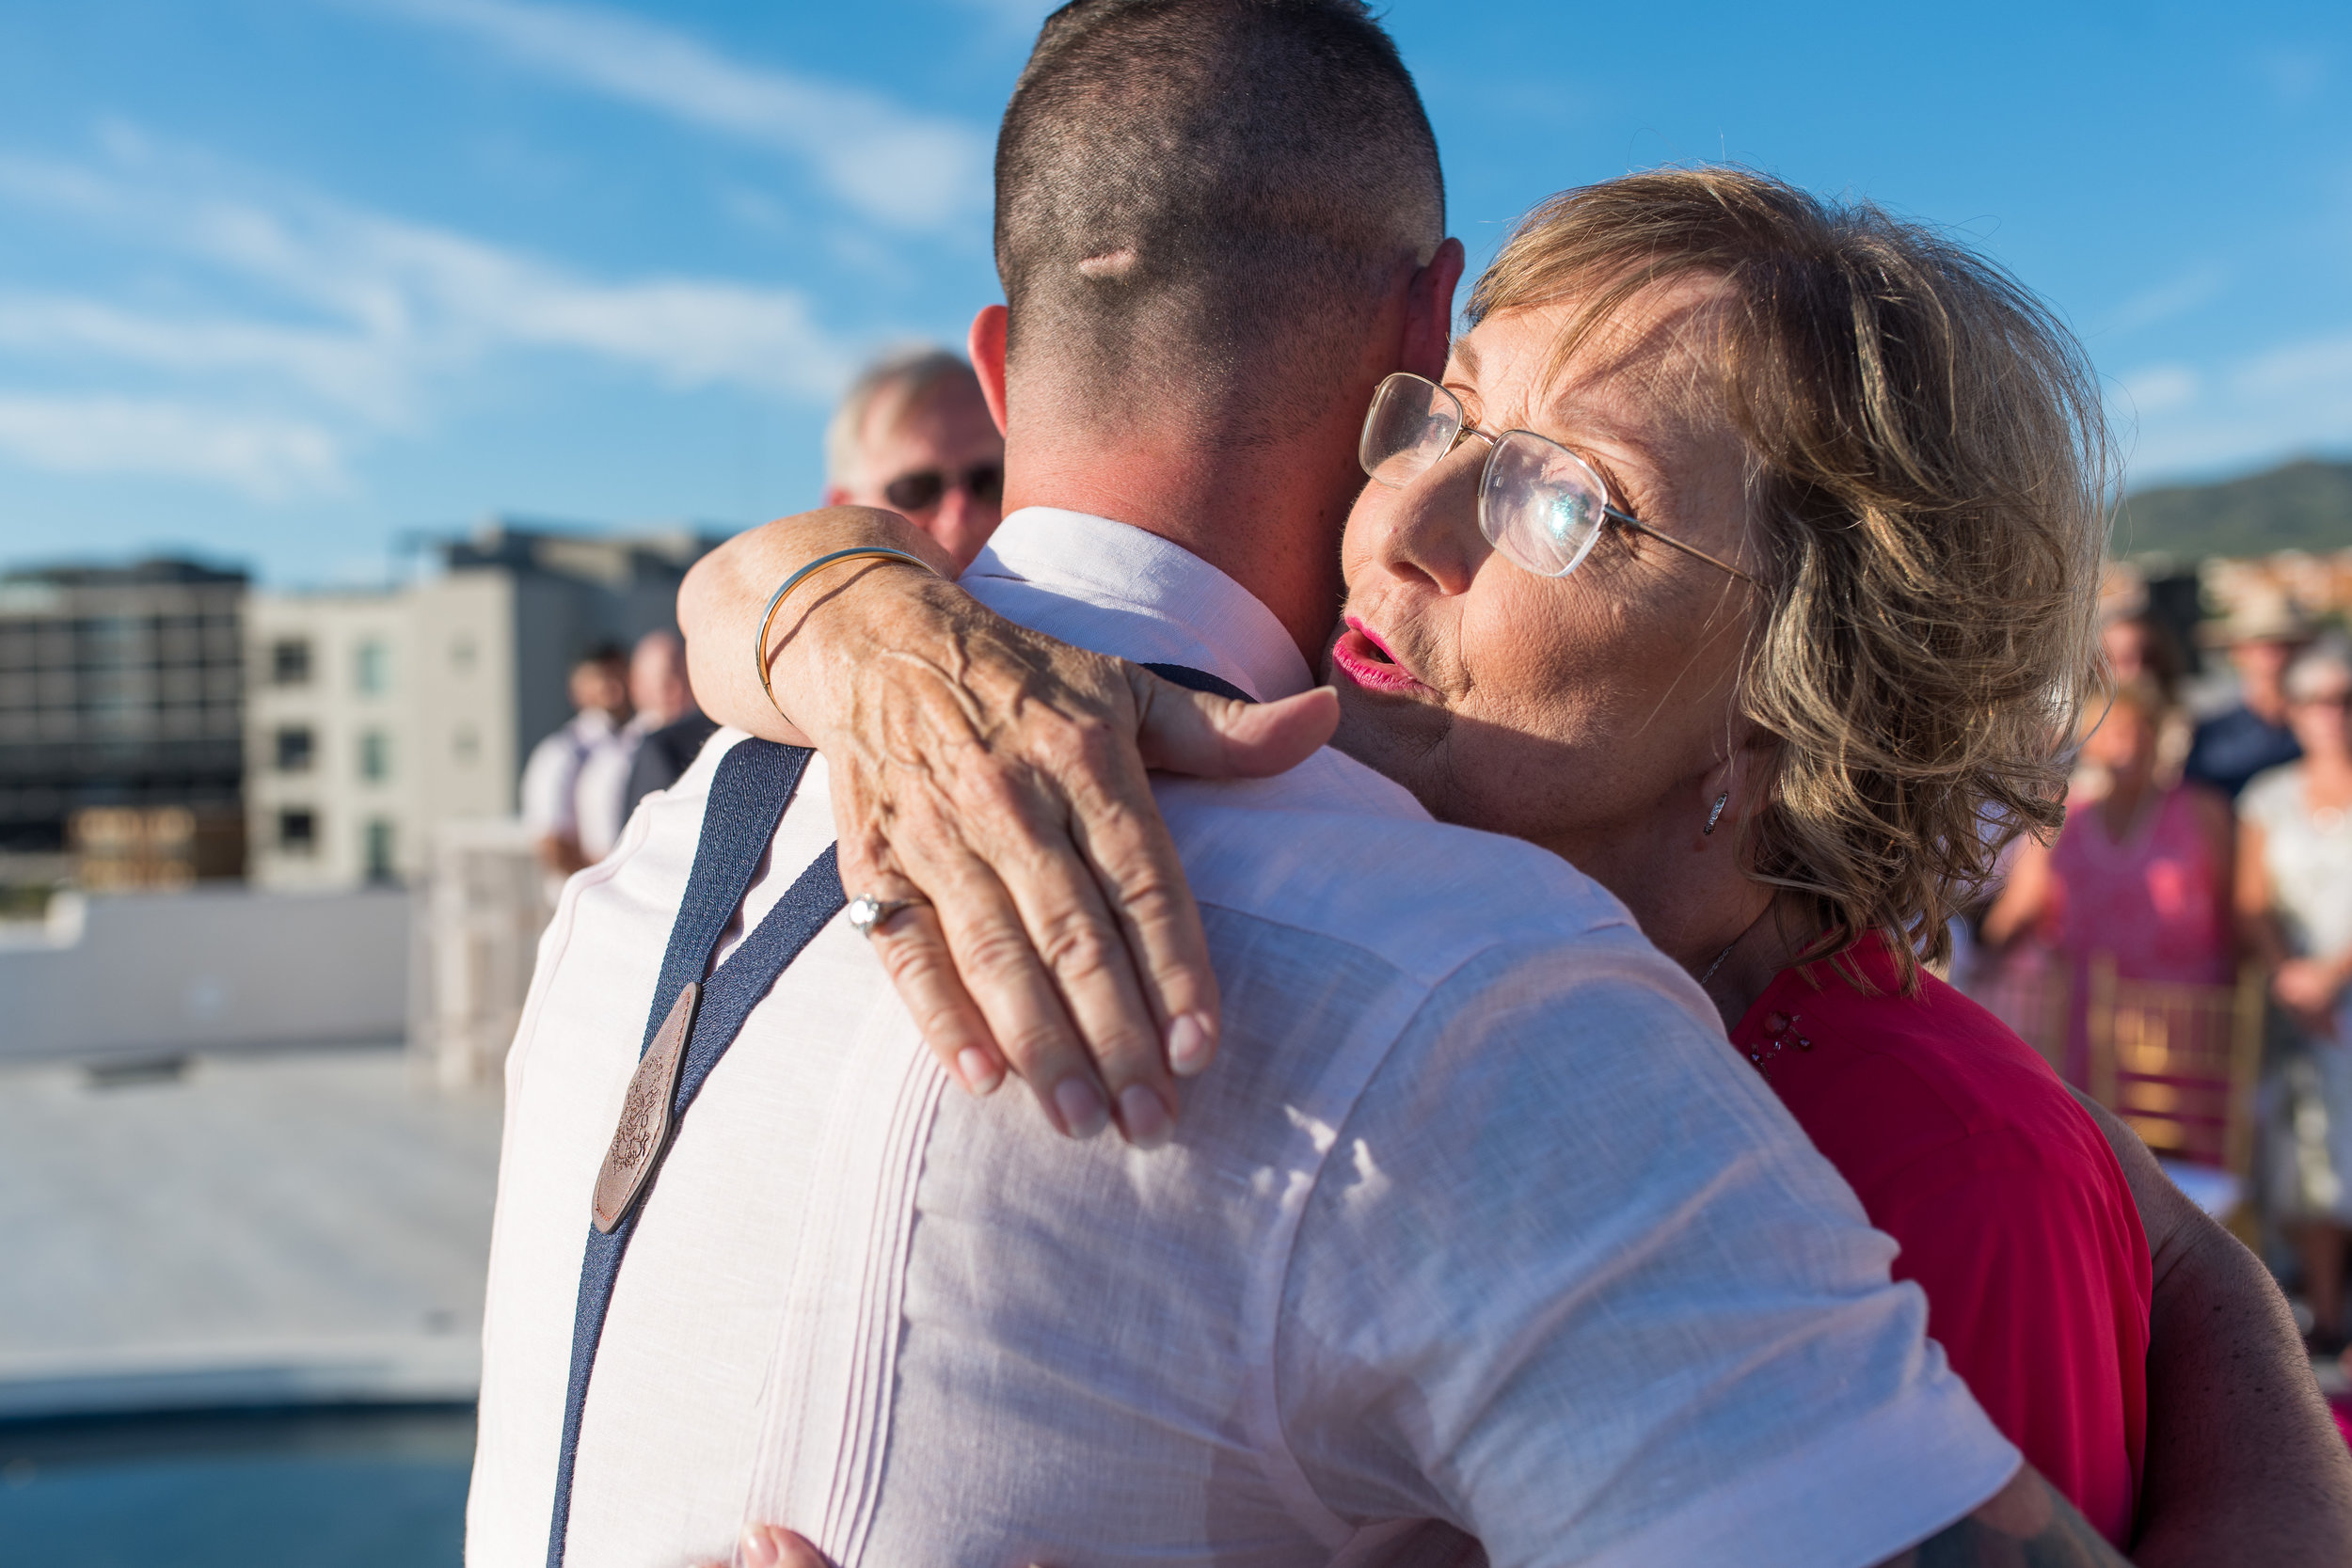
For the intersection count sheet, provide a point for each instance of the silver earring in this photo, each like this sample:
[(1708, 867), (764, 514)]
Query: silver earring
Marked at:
[(1717, 813)]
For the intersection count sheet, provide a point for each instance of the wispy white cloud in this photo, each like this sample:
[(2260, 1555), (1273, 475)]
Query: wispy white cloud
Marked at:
[(2271, 405), (889, 163), (2166, 301), (2296, 76), (267, 458), (348, 369), (2160, 389), (2322, 367), (342, 315)]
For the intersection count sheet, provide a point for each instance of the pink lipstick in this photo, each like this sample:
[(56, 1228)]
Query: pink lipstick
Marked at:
[(1367, 661)]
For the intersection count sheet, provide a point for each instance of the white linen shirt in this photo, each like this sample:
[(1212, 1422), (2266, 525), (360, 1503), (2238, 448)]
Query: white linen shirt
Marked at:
[(1476, 1224)]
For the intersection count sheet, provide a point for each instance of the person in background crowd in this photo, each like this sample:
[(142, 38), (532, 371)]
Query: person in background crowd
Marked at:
[(2295, 893), (2140, 873), (550, 785), (912, 435), (675, 727), (2139, 645), (658, 694), (2263, 638)]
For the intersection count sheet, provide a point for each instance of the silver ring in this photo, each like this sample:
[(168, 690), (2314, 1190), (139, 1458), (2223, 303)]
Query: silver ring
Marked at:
[(867, 912)]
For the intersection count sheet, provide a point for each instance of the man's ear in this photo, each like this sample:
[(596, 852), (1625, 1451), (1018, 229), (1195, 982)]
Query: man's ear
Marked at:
[(835, 496), (988, 355), (1429, 312)]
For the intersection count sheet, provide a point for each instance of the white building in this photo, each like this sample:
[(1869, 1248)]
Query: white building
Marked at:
[(372, 717)]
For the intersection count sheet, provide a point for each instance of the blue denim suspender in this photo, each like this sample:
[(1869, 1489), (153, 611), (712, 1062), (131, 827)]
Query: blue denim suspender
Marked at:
[(753, 782)]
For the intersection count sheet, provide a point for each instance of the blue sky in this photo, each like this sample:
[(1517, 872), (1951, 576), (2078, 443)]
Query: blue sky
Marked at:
[(284, 281)]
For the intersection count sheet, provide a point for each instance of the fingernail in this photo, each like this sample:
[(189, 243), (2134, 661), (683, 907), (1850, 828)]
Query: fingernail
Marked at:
[(1143, 1116), (761, 1548), (1190, 1043), (979, 1073), (1083, 1113)]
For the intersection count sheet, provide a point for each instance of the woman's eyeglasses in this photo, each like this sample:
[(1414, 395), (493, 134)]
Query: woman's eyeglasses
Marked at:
[(924, 488), (1539, 504)]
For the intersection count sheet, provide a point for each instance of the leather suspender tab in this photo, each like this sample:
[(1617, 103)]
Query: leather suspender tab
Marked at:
[(643, 1135)]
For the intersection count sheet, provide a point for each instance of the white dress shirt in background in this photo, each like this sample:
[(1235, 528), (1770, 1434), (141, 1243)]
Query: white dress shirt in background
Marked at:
[(601, 792), (1476, 1224), (576, 777)]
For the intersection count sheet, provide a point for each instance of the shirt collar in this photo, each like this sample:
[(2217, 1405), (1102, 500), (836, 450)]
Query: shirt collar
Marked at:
[(1111, 562)]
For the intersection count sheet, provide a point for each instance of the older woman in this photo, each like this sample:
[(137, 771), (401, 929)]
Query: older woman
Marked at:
[(2295, 888), (1737, 558)]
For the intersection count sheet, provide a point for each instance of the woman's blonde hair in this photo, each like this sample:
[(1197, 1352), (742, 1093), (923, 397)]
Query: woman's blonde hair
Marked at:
[(1928, 465)]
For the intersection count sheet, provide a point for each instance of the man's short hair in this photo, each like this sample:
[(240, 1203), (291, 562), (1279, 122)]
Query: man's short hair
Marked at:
[(884, 389), (1200, 204)]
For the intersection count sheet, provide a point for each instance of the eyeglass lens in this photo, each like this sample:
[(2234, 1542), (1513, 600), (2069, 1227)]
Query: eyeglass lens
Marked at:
[(1412, 423), (1538, 503), (922, 489)]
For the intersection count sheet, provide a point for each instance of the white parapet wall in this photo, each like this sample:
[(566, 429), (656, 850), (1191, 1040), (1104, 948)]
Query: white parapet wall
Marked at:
[(125, 977)]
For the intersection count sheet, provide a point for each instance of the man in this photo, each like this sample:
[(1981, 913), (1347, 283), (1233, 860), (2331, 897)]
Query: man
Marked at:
[(672, 728), (2263, 637), (551, 776), (1475, 1228), (912, 435)]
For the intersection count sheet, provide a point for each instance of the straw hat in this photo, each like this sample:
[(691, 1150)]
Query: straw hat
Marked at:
[(2258, 618)]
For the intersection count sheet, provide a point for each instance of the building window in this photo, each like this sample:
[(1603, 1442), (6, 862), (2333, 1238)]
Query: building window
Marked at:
[(465, 746), (371, 667), (375, 756), (297, 831), (295, 746), (378, 850), (290, 661), (461, 653)]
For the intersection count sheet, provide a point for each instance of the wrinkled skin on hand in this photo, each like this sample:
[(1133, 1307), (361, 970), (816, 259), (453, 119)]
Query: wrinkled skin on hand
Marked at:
[(999, 780)]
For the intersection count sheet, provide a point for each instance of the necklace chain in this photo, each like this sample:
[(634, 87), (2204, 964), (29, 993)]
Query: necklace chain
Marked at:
[(1719, 959)]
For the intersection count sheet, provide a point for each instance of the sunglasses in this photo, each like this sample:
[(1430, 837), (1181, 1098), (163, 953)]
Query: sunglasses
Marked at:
[(923, 489), (1539, 504)]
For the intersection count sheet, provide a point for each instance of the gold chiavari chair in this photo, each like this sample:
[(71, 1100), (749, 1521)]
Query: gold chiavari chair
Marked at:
[(2179, 1063)]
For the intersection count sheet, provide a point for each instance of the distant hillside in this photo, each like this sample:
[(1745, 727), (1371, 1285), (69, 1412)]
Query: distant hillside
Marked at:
[(2303, 506)]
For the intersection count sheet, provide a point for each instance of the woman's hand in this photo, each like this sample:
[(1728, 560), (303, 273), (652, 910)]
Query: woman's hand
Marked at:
[(773, 1546), (2308, 989), (1001, 776)]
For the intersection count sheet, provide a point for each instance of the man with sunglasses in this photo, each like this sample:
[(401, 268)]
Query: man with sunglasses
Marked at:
[(913, 435)]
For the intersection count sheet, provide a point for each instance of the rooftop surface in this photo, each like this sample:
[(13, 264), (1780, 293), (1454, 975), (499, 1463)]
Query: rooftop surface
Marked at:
[(281, 1230)]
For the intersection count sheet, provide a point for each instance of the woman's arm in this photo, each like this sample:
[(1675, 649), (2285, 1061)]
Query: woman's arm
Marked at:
[(2218, 824), (2307, 988), (2023, 895), (999, 774), (2244, 1463)]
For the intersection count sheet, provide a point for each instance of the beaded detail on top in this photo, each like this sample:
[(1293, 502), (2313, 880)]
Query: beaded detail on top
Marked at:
[(1783, 1034)]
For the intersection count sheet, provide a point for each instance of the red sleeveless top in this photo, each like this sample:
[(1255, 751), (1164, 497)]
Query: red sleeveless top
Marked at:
[(2009, 1207)]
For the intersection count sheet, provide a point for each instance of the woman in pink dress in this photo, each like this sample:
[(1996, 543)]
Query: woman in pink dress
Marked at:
[(2140, 875)]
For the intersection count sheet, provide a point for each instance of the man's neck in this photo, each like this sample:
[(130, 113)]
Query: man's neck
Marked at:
[(1263, 518)]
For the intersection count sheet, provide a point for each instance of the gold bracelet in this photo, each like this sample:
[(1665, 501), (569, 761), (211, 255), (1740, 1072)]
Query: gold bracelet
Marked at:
[(775, 601)]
